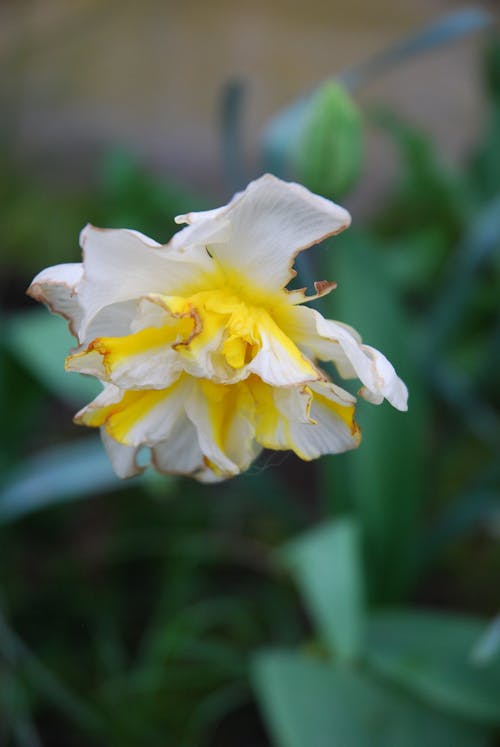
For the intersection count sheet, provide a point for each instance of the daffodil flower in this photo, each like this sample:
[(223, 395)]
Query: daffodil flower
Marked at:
[(205, 356)]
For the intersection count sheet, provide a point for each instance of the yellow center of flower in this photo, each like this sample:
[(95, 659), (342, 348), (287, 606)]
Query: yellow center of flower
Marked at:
[(240, 325), (210, 334)]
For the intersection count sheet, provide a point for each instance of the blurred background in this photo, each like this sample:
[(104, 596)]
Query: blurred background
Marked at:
[(353, 601)]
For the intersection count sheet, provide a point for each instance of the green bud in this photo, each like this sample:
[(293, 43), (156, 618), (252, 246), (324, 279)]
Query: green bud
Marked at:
[(328, 153)]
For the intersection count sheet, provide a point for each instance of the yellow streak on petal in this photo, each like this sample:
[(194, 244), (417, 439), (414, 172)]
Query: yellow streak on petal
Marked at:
[(267, 323), (117, 350), (273, 429), (120, 418), (344, 412), (268, 418), (224, 403)]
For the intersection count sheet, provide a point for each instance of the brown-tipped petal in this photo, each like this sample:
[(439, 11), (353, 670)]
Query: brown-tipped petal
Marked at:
[(56, 288), (270, 223)]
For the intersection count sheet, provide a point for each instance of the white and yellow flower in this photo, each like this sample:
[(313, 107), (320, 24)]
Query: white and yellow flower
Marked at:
[(204, 354)]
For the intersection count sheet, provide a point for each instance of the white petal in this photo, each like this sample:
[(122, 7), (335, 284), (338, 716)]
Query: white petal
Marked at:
[(122, 265), (310, 421), (137, 417), (391, 386), (270, 222), (299, 323), (55, 287), (202, 216), (156, 421), (156, 368), (90, 364), (112, 321), (224, 420), (148, 313), (337, 342), (330, 433), (209, 477), (202, 230), (123, 458), (110, 395), (181, 453), (279, 362), (144, 360), (91, 414)]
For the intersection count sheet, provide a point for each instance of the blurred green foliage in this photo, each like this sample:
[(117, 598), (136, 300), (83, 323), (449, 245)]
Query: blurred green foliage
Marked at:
[(137, 617), (411, 678)]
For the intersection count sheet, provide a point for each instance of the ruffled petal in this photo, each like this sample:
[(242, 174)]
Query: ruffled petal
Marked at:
[(333, 341), (270, 223), (224, 420), (180, 453), (122, 265), (138, 417), (115, 320), (123, 458), (232, 340), (279, 361), (56, 288), (311, 421), (146, 359)]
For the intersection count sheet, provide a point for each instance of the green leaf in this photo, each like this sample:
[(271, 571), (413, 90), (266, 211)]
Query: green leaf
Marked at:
[(385, 478), (431, 655), (307, 703), (326, 564), (328, 154), (62, 473), (41, 341)]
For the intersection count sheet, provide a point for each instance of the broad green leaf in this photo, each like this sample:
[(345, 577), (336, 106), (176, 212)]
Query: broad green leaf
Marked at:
[(431, 655), (41, 341), (326, 564), (385, 478), (307, 703), (62, 473), (328, 154)]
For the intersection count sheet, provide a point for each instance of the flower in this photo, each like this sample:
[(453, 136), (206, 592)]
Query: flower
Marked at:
[(205, 356)]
